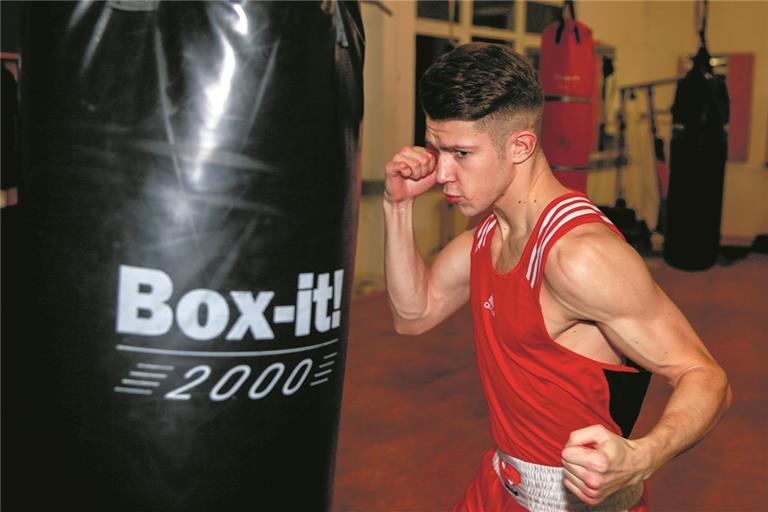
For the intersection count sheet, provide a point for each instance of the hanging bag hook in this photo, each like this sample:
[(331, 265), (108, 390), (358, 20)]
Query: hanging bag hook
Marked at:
[(702, 58)]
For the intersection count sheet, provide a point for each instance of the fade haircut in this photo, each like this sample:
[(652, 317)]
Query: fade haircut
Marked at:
[(487, 83)]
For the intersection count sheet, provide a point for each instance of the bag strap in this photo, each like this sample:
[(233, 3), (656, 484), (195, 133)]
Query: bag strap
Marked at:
[(568, 4)]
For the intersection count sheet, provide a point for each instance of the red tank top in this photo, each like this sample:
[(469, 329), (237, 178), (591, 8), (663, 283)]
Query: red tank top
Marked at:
[(538, 391)]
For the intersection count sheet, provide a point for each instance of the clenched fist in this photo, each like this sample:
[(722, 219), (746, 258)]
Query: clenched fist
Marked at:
[(597, 463), (410, 173)]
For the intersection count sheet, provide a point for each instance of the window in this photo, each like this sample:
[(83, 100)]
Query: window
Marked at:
[(539, 15), (428, 49), (438, 10), (494, 13)]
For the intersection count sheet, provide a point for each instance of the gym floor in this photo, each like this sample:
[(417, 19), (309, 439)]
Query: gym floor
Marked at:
[(414, 425)]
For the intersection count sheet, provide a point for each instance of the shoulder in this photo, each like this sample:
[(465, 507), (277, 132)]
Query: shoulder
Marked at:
[(595, 272), (587, 249)]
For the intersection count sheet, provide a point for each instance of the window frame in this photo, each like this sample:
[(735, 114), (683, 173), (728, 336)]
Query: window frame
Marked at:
[(463, 31)]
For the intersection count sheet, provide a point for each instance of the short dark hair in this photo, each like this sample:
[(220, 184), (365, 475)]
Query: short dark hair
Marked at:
[(483, 81)]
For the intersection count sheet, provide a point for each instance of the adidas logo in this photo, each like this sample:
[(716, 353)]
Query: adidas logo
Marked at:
[(488, 304)]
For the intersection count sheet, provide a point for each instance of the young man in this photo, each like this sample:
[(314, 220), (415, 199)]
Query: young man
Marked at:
[(567, 319)]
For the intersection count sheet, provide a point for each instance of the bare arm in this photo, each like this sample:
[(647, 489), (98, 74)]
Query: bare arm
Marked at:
[(420, 297), (599, 277)]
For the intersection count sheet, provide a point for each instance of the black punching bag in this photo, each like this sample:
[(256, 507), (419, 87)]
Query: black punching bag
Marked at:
[(191, 193), (698, 152)]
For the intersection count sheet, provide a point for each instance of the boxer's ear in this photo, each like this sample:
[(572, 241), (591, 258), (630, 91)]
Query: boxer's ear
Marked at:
[(520, 146)]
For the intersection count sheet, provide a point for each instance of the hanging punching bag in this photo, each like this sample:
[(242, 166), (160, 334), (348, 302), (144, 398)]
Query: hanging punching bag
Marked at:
[(191, 191), (698, 152), (567, 77)]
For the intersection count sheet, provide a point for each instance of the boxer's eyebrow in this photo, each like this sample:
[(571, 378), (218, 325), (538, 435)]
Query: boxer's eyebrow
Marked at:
[(433, 140), (456, 147)]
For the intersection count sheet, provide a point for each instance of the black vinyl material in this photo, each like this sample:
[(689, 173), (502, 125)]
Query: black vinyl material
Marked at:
[(190, 192), (698, 152)]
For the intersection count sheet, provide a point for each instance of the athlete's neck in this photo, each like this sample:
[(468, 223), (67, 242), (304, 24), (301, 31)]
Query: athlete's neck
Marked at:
[(532, 187)]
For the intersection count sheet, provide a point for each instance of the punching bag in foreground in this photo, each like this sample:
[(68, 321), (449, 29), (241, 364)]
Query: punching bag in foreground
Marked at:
[(191, 193), (698, 152)]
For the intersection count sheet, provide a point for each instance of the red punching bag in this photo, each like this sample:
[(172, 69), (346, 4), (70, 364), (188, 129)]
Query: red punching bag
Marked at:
[(567, 77)]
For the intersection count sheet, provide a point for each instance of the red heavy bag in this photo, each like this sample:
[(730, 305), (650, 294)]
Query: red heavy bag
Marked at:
[(567, 77)]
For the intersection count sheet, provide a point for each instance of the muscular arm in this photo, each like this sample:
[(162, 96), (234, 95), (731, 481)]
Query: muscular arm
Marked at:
[(596, 276), (420, 297)]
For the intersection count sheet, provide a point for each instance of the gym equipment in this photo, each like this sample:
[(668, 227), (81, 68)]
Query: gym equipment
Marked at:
[(190, 188), (661, 168), (634, 230), (698, 153), (567, 77)]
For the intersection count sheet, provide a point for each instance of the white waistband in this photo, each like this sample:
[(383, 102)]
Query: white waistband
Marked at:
[(541, 489)]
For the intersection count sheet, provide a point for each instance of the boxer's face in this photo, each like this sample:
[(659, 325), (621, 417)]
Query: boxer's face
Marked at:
[(469, 166)]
